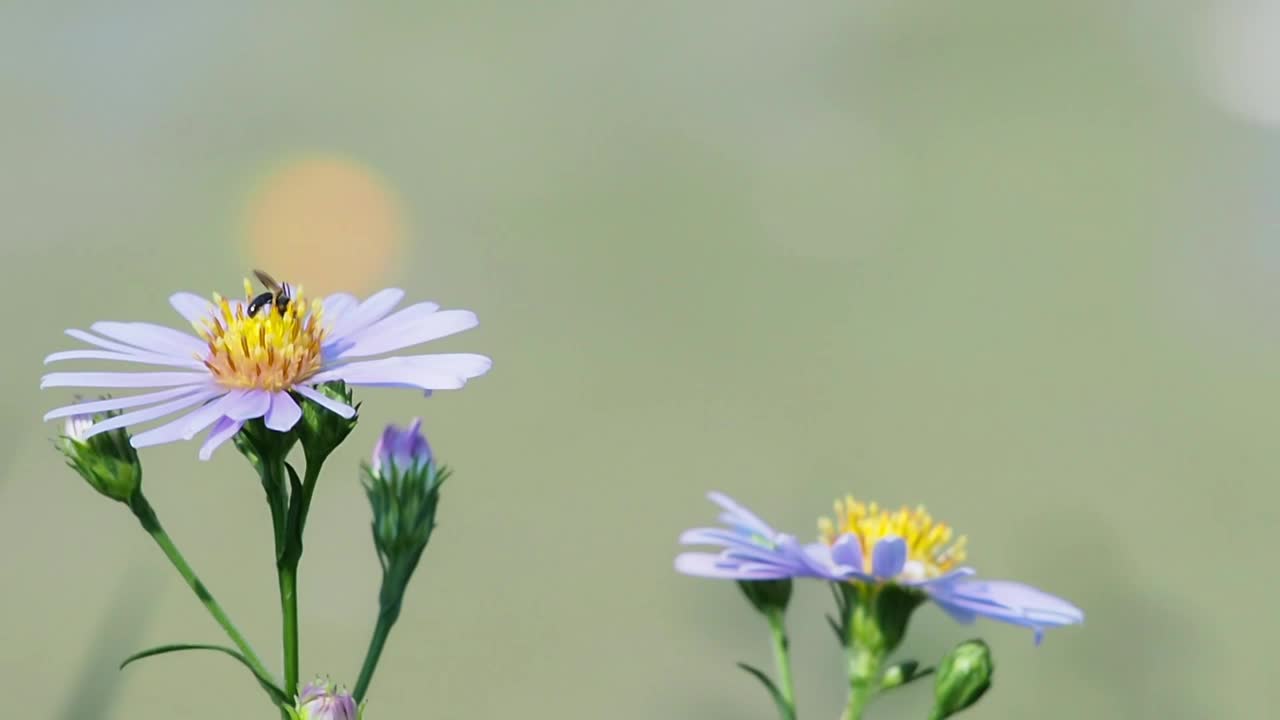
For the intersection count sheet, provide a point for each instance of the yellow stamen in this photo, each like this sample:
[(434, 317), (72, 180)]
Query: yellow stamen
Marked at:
[(272, 350), (929, 543)]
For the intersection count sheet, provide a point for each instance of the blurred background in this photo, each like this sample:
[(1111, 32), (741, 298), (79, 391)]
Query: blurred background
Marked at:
[(1016, 261)]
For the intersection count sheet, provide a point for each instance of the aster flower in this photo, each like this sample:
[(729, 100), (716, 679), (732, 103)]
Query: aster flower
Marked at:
[(238, 367), (868, 545)]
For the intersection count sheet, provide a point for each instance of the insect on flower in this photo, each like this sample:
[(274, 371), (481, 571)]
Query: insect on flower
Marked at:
[(278, 294)]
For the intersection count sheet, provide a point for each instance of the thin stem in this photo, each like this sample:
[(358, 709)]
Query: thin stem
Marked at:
[(289, 556), (386, 618), (782, 660), (865, 651), (864, 664), (151, 523), (289, 621)]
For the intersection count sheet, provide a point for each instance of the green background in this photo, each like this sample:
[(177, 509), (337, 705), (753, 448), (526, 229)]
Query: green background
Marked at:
[(1012, 260)]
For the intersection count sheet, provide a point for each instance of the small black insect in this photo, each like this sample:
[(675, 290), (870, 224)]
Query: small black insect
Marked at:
[(277, 295)]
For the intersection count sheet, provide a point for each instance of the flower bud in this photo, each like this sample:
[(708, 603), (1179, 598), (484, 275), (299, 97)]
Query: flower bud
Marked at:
[(901, 674), (963, 677), (767, 595), (323, 700), (403, 482), (322, 430), (106, 459)]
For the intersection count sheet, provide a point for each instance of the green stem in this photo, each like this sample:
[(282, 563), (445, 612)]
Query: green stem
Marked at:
[(151, 523), (782, 660), (289, 556), (864, 664), (386, 618), (289, 621), (865, 651)]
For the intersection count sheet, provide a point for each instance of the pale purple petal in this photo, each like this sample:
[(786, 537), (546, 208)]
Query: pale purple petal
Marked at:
[(167, 433), (711, 566), (847, 550), (428, 372), (122, 379), (888, 557), (370, 311), (337, 305), (101, 342), (284, 412), (150, 413), (205, 416), (194, 308), (253, 404), (398, 322), (324, 401), (137, 356), (739, 516), (149, 336), (223, 430), (396, 332), (720, 536), (1006, 601), (120, 403)]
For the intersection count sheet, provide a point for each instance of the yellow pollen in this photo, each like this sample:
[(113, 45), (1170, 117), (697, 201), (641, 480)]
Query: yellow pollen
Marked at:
[(931, 544), (272, 350)]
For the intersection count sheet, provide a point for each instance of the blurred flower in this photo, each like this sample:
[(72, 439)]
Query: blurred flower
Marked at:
[(869, 546), (238, 366), (322, 700), (105, 459), (963, 677), (403, 482)]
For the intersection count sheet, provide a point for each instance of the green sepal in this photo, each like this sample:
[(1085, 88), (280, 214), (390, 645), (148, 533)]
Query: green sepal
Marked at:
[(107, 461), (891, 608), (322, 430), (767, 595), (268, 685), (784, 710), (260, 444)]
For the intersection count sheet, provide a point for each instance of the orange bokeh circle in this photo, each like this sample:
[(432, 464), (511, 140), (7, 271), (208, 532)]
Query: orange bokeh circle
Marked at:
[(326, 223)]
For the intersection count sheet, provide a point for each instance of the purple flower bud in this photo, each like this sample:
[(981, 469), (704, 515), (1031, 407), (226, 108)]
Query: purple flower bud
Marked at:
[(322, 700), (401, 451)]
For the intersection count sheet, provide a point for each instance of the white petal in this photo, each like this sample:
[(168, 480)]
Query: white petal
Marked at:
[(192, 307), (390, 335), (369, 312), (120, 403)]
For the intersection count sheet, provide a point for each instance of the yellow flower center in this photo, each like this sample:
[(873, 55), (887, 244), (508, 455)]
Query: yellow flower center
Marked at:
[(273, 350), (929, 544)]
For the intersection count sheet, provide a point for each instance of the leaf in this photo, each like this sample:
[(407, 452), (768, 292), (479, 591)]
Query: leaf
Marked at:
[(277, 695), (785, 711)]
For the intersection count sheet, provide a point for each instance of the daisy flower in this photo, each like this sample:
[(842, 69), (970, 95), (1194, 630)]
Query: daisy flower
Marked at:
[(239, 366), (866, 544)]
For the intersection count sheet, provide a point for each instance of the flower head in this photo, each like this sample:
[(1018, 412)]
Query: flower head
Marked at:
[(105, 460), (323, 700), (870, 546), (239, 365)]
